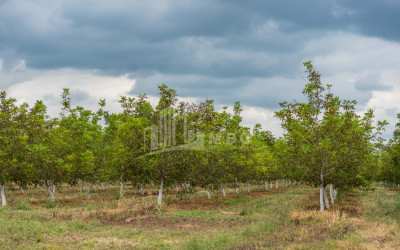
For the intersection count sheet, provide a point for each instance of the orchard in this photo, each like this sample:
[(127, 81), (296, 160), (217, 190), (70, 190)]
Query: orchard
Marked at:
[(188, 146)]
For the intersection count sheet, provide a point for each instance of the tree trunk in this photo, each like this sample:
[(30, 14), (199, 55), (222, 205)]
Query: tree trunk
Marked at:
[(177, 189), (102, 186), (83, 183), (187, 197), (89, 190), (223, 190), (259, 186), (326, 199), (50, 193), (21, 190), (248, 187), (54, 189), (334, 193), (331, 194), (187, 192), (321, 190), (141, 189), (277, 183), (160, 192), (321, 198), (237, 187), (271, 184), (208, 194), (266, 186), (3, 197), (121, 191)]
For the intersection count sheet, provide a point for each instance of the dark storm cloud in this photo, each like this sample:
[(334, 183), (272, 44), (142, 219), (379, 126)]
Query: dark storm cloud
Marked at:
[(221, 49), (260, 92), (371, 82), (375, 18)]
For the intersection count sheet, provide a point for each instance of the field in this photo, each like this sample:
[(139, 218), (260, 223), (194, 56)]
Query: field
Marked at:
[(284, 218)]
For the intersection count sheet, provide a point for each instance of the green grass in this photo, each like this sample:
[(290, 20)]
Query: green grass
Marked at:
[(384, 205), (274, 219)]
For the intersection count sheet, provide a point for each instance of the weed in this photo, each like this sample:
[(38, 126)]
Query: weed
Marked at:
[(50, 204), (22, 206)]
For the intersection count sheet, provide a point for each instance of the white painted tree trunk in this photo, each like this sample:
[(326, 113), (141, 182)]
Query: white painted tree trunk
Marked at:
[(121, 190), (331, 194), (141, 189), (50, 193), (177, 189), (89, 190), (160, 192), (21, 190), (248, 187), (326, 200), (321, 197), (259, 186), (208, 194), (266, 186), (83, 183), (102, 186), (290, 182), (334, 193), (237, 187), (271, 186), (3, 196), (277, 183), (223, 190), (54, 188)]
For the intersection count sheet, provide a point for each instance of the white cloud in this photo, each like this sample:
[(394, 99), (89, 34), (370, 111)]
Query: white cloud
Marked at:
[(341, 52), (263, 116), (87, 86), (387, 103), (346, 60)]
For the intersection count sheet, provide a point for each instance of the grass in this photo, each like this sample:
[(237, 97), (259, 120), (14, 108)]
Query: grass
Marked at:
[(286, 218), (383, 205)]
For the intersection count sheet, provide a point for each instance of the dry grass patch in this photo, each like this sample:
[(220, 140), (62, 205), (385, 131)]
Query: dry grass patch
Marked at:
[(120, 215), (317, 226)]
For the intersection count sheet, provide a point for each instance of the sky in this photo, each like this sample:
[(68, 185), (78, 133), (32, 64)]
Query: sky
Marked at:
[(227, 50)]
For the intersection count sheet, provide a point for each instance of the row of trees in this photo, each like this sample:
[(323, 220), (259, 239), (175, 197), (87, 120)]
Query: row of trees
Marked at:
[(189, 145)]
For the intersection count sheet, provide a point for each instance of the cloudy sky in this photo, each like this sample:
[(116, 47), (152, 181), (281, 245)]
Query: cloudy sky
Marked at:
[(251, 51)]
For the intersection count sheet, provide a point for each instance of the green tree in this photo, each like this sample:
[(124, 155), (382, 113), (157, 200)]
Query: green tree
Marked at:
[(389, 161), (326, 140), (10, 141), (44, 150)]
